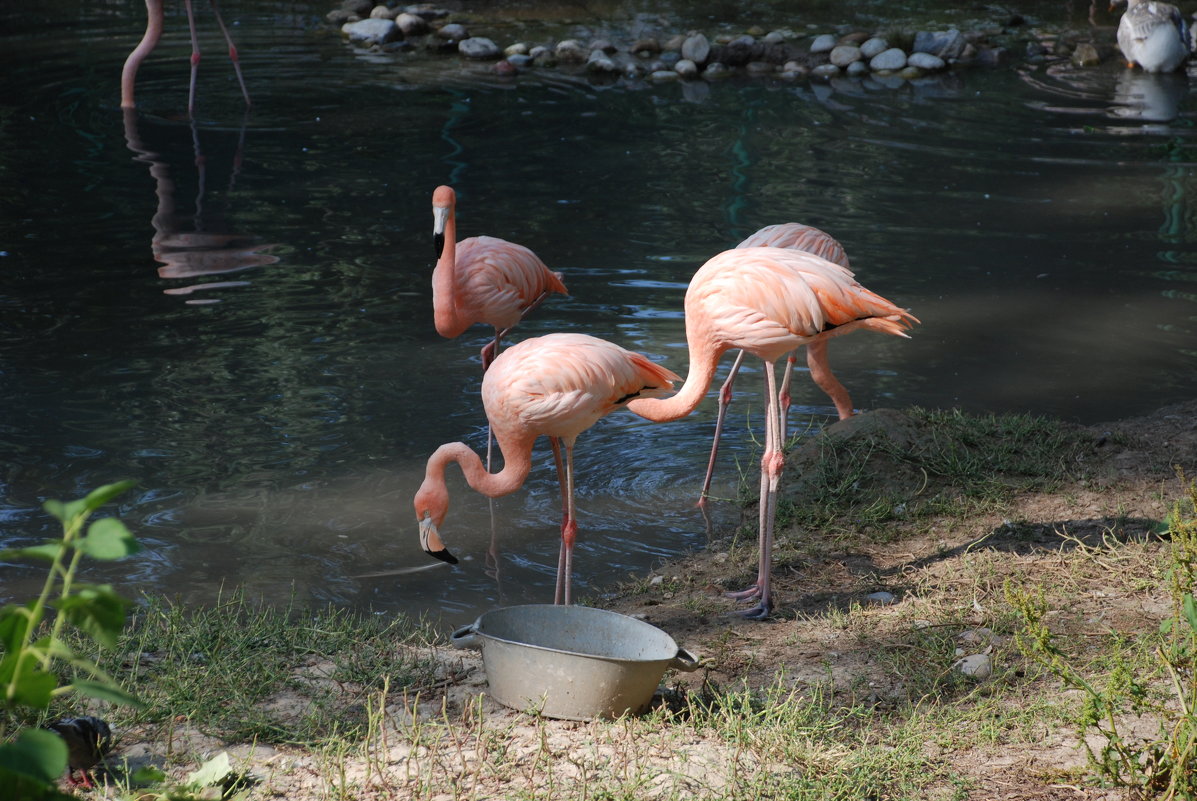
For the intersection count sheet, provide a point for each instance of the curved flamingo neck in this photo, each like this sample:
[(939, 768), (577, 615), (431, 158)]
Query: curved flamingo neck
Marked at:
[(153, 32), (444, 282), (517, 463), (704, 358)]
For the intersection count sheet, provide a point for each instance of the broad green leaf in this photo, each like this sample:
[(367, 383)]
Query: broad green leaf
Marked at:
[(96, 610), (105, 691), (212, 772), (148, 774), (48, 551), (57, 510), (108, 539), (30, 686), (102, 495), (37, 754), (14, 625), (1190, 610), (65, 512)]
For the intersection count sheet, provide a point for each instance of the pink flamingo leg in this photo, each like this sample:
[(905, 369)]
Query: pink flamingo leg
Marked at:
[(820, 373), (569, 523), (232, 53), (725, 394), (772, 462), (491, 350), (783, 397)]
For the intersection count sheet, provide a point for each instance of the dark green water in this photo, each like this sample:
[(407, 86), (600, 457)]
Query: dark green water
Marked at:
[(1035, 220)]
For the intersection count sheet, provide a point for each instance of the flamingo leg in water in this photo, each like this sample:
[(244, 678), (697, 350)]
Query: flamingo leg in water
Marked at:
[(195, 54), (724, 399), (491, 349), (820, 373), (783, 396), (232, 52)]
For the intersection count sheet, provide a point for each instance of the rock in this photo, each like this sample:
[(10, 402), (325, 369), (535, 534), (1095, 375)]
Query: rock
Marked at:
[(947, 45), (979, 666), (857, 68), (716, 69), (696, 48), (910, 73), (516, 49), (519, 60), (478, 47), (893, 59), (371, 31), (426, 11), (1086, 55), (755, 30), (542, 56), (686, 68), (825, 71), (453, 31), (979, 636), (504, 68), (412, 24), (881, 598), (674, 42), (359, 7), (599, 63), (926, 61), (670, 58), (339, 16), (774, 38), (571, 50), (382, 12), (873, 47), (843, 55), (662, 76), (603, 46), (993, 56), (759, 68), (646, 47), (823, 43)]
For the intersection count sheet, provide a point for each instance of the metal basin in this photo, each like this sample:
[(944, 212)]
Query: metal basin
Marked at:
[(572, 662)]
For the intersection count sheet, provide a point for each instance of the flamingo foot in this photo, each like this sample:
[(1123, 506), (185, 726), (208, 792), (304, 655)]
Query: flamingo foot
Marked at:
[(752, 593), (761, 611)]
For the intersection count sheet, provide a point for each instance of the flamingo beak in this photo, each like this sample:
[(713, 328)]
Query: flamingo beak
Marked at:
[(430, 541), (439, 215)]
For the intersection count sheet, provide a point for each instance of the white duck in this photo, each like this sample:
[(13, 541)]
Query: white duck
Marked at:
[(1153, 35)]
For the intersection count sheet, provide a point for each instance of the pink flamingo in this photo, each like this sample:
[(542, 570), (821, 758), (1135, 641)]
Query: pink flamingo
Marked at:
[(483, 279), (795, 236), (153, 32), (768, 302), (558, 385)]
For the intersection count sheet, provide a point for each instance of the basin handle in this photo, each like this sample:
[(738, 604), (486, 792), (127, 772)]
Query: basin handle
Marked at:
[(686, 661), (466, 637)]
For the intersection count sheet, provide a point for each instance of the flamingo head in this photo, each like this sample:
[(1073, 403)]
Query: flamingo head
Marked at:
[(431, 504), (443, 201)]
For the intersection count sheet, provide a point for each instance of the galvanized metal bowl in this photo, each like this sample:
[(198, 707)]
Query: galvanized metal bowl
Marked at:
[(572, 662)]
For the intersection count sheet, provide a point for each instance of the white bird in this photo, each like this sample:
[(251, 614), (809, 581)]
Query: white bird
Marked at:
[(1153, 35)]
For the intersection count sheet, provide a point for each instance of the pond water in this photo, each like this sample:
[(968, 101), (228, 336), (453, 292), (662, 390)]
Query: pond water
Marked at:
[(236, 313)]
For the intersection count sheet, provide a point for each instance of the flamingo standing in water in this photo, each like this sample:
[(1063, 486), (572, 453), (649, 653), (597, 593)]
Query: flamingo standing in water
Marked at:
[(558, 385), (768, 302), (483, 279), (795, 236), (153, 32)]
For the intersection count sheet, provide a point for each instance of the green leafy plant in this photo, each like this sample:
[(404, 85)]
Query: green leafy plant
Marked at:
[(34, 645), (1165, 766)]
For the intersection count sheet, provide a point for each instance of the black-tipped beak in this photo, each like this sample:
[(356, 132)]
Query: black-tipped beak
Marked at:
[(430, 541), (438, 242), (444, 555)]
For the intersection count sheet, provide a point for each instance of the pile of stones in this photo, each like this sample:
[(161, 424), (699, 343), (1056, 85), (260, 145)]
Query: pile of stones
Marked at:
[(759, 52)]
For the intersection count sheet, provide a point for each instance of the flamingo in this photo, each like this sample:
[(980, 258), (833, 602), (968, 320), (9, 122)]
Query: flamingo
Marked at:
[(768, 302), (153, 32), (483, 279), (812, 240), (558, 385)]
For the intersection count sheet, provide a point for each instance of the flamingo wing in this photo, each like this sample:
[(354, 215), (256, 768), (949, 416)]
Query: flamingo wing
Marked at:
[(497, 280)]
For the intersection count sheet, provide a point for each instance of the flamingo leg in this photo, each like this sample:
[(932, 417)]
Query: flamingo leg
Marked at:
[(195, 56), (491, 350), (820, 373), (725, 393), (232, 52), (569, 523), (772, 462), (783, 396), (559, 595)]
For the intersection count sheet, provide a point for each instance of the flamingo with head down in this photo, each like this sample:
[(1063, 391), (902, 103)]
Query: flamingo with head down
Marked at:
[(767, 301), (558, 385)]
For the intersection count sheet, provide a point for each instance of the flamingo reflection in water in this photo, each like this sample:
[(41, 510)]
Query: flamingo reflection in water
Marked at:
[(186, 245)]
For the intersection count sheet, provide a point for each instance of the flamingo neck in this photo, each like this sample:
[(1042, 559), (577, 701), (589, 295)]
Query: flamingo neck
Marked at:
[(517, 463), (153, 32), (444, 283), (704, 358)]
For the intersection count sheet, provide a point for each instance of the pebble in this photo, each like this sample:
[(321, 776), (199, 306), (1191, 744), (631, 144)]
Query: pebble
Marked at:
[(979, 666), (696, 48), (893, 59), (945, 44), (599, 63), (843, 55), (382, 12), (646, 47), (453, 32), (823, 43), (478, 47), (857, 68), (571, 50), (873, 47), (825, 70), (412, 24), (664, 75), (516, 49), (371, 31), (881, 598), (686, 68), (926, 61)]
